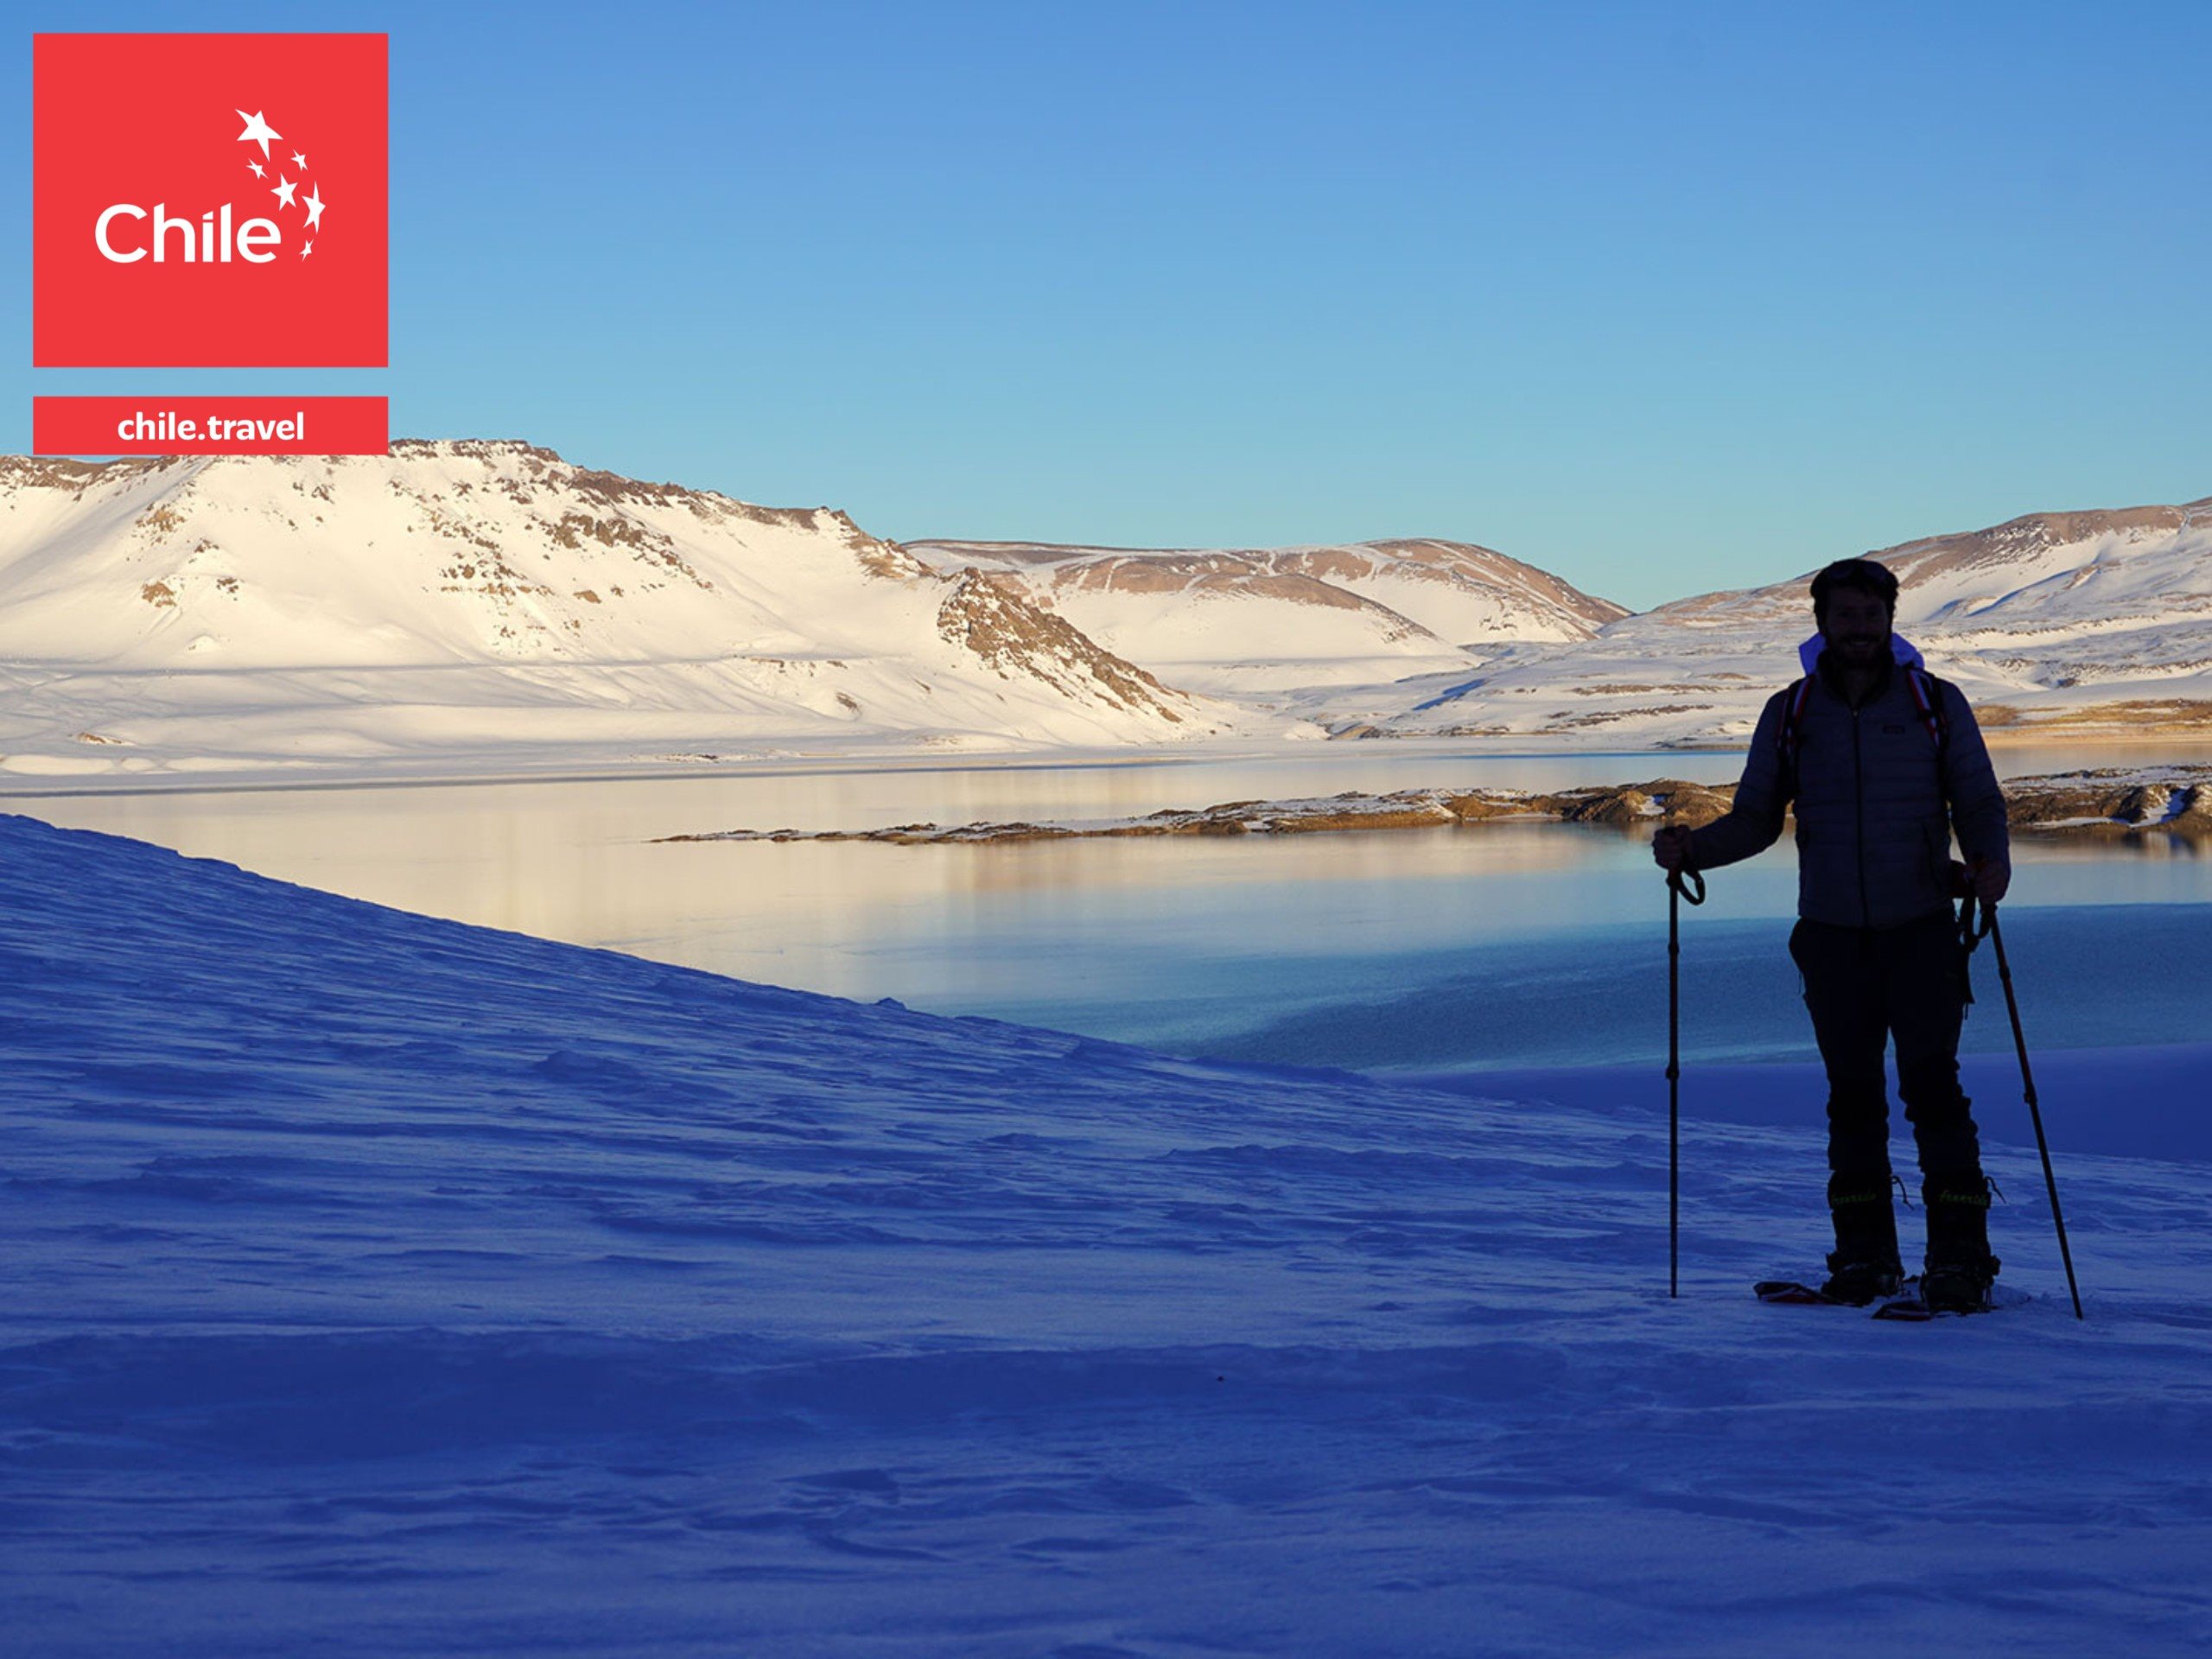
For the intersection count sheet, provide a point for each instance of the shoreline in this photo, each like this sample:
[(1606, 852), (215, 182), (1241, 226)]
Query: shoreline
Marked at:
[(2173, 801), (457, 775)]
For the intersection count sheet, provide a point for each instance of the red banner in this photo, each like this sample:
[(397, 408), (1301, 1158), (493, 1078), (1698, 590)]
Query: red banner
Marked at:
[(209, 426), (208, 200)]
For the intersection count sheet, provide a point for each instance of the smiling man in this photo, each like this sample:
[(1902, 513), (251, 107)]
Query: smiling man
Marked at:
[(1884, 762)]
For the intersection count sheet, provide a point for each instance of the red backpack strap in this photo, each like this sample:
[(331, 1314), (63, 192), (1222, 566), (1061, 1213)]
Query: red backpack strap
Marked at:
[(1928, 697)]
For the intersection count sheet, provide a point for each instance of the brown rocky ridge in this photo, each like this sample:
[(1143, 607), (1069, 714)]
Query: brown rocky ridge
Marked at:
[(999, 623), (2117, 802), (1318, 574)]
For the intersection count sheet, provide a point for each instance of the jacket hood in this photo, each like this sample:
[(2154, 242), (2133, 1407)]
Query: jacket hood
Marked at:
[(1902, 650)]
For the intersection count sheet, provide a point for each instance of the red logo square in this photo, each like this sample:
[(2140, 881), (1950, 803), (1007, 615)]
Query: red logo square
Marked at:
[(209, 201)]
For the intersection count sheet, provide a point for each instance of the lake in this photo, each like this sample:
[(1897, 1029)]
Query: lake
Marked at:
[(1453, 948)]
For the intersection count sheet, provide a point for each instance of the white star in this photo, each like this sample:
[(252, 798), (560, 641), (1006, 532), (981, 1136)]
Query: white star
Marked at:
[(284, 191), (298, 161), (258, 130), (307, 250), (313, 200), (258, 173)]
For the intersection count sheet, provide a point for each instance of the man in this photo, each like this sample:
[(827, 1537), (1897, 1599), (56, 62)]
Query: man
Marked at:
[(1884, 762)]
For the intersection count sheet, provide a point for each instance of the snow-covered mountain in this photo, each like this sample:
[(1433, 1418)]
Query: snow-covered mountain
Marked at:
[(2070, 622), (1258, 621), (460, 600), (472, 609)]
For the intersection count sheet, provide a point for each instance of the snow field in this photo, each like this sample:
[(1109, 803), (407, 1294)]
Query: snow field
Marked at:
[(462, 607), (383, 1285)]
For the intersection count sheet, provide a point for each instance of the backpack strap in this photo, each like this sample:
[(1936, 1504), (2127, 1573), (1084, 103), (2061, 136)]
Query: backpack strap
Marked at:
[(1928, 698), (1793, 720)]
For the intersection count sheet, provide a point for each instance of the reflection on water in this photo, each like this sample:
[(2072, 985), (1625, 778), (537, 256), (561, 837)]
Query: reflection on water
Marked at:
[(1182, 942)]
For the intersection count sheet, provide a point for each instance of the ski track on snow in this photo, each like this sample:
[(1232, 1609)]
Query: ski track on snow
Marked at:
[(383, 1285)]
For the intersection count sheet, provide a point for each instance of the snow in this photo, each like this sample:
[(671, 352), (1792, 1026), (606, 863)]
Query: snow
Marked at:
[(1329, 615), (2048, 615), (385, 1285), (467, 608), (462, 608)]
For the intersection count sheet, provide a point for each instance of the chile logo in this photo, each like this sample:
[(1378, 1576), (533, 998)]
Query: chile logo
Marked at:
[(209, 201)]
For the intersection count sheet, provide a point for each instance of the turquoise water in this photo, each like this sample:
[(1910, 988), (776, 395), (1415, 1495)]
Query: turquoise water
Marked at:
[(1452, 948), (1599, 998), (1567, 966)]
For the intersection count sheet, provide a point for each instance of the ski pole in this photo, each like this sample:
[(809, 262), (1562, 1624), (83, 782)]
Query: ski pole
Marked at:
[(1679, 884), (2034, 1113)]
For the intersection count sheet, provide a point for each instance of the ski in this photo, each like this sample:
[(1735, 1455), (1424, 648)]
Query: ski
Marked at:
[(1913, 1306), (1788, 1293), (1908, 1306), (1791, 1293)]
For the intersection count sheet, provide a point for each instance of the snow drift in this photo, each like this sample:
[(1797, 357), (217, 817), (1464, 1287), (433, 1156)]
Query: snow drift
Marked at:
[(384, 1286)]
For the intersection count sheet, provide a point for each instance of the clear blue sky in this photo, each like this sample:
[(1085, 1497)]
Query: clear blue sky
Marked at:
[(1661, 297)]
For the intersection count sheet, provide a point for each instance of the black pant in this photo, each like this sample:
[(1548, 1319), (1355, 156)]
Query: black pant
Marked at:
[(1864, 987)]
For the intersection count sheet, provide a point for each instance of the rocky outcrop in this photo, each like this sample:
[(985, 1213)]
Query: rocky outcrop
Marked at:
[(1666, 800), (2113, 800), (1009, 633), (1415, 587), (2120, 803)]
